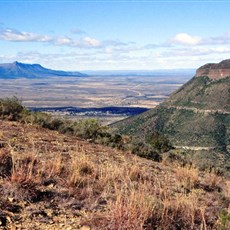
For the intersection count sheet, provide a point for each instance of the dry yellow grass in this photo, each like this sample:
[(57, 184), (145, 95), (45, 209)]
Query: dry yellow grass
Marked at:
[(59, 182), (188, 176)]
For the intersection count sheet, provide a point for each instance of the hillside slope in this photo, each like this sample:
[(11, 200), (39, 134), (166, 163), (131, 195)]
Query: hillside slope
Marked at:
[(54, 181), (21, 70), (196, 116)]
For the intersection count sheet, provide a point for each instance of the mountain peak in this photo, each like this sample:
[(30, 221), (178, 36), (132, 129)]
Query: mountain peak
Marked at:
[(22, 70), (215, 71), (16, 63)]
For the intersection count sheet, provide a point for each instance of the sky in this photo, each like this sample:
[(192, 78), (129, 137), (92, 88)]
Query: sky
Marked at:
[(115, 35)]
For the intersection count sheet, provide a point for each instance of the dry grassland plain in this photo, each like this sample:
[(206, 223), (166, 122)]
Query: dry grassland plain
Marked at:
[(93, 91)]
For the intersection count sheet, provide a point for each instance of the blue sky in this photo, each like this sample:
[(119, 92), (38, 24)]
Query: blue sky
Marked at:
[(115, 35)]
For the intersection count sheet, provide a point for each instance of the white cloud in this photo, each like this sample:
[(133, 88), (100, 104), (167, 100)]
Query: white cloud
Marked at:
[(196, 51), (111, 54), (223, 39), (63, 41), (13, 35), (185, 39), (220, 49), (17, 36), (190, 40), (91, 42)]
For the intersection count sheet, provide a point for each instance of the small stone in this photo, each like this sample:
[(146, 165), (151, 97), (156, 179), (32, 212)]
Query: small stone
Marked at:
[(10, 199), (49, 213), (8, 219), (51, 186)]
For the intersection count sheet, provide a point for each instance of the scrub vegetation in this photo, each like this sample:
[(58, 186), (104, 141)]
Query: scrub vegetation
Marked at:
[(54, 174)]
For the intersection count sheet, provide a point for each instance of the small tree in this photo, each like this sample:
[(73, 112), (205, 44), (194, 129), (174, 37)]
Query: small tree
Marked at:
[(145, 150), (88, 129), (159, 142)]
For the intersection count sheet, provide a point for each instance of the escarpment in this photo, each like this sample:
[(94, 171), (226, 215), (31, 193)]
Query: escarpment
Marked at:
[(215, 71)]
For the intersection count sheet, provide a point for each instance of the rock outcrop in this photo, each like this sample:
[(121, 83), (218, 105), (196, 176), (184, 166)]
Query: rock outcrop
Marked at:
[(215, 71)]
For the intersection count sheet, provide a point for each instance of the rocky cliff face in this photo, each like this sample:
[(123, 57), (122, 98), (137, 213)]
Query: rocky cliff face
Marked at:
[(215, 71)]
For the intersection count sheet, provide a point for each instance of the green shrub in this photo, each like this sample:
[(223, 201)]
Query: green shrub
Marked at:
[(11, 109), (145, 150), (224, 220), (27, 117), (66, 127), (181, 157), (88, 129), (56, 124), (116, 140), (42, 119), (159, 142)]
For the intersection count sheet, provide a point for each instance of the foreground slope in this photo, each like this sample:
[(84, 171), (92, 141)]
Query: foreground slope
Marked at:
[(54, 181), (22, 70), (197, 116)]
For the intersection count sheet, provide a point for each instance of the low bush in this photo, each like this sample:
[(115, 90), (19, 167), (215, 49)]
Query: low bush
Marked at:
[(11, 109), (145, 150), (159, 142), (179, 157), (42, 119), (88, 129), (223, 220)]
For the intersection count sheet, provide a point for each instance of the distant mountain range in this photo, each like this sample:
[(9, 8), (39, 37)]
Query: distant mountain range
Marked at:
[(22, 70)]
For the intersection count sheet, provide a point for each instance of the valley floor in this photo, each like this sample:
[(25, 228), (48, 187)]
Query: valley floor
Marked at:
[(93, 91)]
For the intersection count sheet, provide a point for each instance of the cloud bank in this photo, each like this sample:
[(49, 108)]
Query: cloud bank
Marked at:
[(18, 36), (79, 50), (85, 41)]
